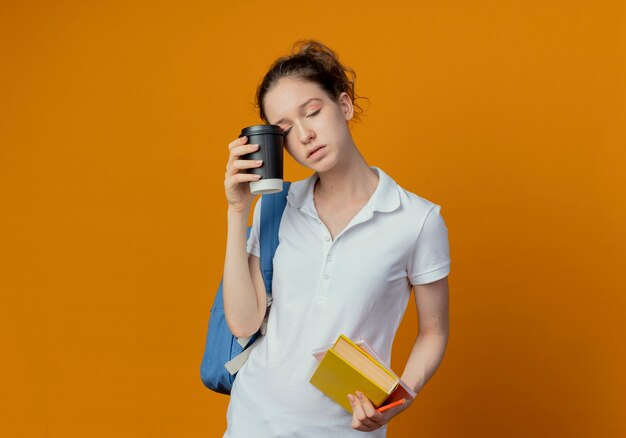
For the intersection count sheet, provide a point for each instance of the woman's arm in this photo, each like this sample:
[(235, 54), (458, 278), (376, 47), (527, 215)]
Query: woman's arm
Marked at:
[(430, 345), (243, 288), (242, 284), (427, 353)]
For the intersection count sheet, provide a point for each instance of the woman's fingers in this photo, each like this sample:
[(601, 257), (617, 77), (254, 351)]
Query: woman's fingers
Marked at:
[(364, 414), (236, 153), (237, 142), (239, 178), (240, 150), (237, 148), (236, 178), (246, 164), (369, 408), (238, 165)]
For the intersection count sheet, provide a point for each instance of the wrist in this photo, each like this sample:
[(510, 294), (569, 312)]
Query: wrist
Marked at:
[(238, 212)]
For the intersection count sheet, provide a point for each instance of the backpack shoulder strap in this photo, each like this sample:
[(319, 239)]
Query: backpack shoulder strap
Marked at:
[(272, 209)]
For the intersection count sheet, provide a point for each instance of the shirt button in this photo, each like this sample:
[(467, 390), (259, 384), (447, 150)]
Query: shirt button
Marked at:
[(329, 258), (326, 276), (327, 238)]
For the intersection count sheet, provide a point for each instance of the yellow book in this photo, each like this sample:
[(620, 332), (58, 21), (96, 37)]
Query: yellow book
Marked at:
[(346, 368)]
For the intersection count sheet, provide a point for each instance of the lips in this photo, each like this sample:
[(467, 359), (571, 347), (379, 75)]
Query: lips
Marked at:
[(315, 149)]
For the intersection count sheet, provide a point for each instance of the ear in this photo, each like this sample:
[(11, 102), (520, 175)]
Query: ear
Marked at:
[(345, 103)]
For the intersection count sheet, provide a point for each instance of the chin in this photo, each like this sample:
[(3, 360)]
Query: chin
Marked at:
[(323, 165)]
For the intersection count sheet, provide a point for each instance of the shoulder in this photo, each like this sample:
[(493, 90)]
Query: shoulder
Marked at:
[(425, 214), (417, 216), (412, 204)]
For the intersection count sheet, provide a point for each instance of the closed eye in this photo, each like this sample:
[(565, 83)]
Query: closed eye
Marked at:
[(314, 113)]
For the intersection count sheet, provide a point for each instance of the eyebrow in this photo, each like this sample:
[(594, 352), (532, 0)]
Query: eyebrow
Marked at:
[(299, 107)]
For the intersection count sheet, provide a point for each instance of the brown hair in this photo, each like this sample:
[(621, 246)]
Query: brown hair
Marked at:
[(311, 61)]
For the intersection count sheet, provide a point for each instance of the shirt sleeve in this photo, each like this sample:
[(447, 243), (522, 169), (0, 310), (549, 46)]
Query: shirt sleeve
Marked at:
[(430, 260), (253, 244)]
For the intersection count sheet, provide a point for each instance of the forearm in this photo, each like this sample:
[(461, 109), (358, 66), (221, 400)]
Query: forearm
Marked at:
[(240, 298), (426, 356)]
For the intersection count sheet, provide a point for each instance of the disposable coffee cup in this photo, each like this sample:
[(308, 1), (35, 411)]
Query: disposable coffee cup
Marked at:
[(270, 139)]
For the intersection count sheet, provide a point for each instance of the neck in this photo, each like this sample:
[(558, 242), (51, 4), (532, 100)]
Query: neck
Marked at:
[(351, 179)]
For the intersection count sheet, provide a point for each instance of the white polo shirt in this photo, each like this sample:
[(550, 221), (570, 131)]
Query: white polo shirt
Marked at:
[(357, 284)]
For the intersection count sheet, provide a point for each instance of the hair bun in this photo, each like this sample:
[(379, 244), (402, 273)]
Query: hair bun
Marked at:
[(311, 61), (322, 54), (312, 48)]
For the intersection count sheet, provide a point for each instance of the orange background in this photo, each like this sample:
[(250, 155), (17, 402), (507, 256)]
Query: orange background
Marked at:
[(115, 119)]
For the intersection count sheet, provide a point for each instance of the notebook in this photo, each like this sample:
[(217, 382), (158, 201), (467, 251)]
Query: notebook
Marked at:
[(348, 366)]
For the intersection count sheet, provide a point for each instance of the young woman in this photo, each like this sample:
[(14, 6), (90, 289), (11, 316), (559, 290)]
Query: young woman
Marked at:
[(352, 244)]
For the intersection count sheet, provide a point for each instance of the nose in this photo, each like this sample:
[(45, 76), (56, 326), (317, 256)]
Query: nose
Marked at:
[(305, 133)]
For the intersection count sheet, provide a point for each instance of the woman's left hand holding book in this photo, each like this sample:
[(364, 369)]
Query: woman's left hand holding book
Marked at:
[(366, 418)]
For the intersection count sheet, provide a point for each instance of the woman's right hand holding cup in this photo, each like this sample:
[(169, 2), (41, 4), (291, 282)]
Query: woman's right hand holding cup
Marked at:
[(236, 181)]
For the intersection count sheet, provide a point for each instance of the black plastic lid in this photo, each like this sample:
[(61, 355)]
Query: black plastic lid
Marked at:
[(261, 129)]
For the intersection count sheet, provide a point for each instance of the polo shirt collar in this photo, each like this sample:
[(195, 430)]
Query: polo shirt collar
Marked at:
[(384, 199)]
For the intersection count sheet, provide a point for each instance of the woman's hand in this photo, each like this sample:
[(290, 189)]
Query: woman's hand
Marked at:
[(236, 182), (366, 418)]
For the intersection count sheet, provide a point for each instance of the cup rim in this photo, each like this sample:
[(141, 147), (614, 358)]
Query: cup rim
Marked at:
[(261, 129)]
